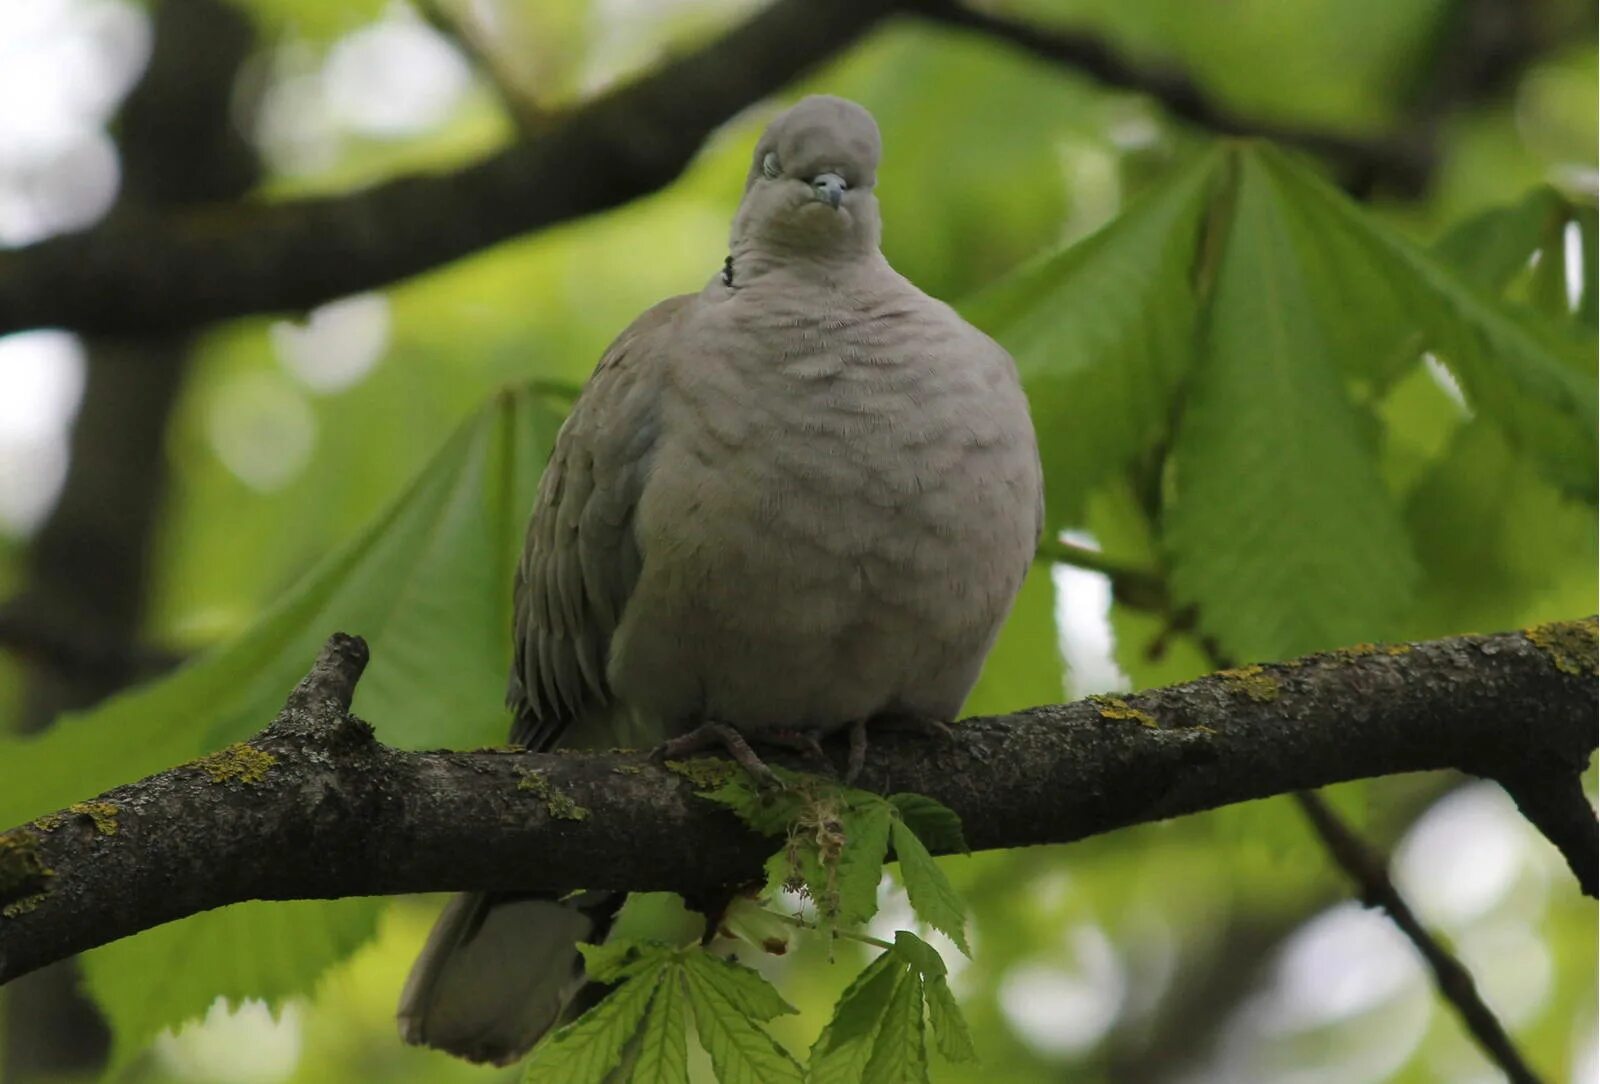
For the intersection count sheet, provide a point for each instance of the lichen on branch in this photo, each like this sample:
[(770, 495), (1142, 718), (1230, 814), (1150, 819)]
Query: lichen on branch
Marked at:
[(316, 807)]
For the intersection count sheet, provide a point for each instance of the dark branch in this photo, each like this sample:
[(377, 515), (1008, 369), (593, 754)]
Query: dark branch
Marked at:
[(1562, 812), (1552, 799), (1478, 50), (1139, 588), (315, 807), (1370, 872), (1216, 974), (187, 270), (179, 271), (79, 654), (1394, 158)]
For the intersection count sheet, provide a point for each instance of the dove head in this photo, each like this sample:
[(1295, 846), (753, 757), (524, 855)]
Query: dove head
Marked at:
[(809, 191)]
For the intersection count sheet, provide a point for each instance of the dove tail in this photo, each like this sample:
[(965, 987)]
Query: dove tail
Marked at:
[(498, 971)]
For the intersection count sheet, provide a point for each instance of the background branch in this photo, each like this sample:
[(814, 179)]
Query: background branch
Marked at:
[(1218, 975), (76, 621), (1181, 96), (315, 807), (1370, 871), (83, 657), (184, 270), (192, 269)]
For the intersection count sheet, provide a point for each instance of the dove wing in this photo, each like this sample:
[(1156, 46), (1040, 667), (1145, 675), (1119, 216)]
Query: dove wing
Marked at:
[(580, 561)]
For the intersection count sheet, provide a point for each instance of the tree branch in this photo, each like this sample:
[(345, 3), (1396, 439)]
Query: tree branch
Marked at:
[(1140, 588), (1370, 872), (316, 807), (78, 654), (179, 271), (1396, 159), (187, 270)]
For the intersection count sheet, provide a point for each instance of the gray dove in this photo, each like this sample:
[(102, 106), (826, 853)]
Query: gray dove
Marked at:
[(799, 501)]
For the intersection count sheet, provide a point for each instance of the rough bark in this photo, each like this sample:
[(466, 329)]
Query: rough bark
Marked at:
[(316, 807)]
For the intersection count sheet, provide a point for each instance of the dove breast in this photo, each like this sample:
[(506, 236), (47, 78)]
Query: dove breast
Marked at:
[(842, 502)]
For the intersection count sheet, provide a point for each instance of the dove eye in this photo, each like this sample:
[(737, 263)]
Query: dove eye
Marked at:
[(769, 164)]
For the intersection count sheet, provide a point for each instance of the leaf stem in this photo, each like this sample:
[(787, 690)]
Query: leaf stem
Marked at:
[(800, 923), (1140, 588)]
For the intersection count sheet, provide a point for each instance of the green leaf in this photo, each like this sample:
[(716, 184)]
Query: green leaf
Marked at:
[(607, 962), (266, 950), (663, 1056), (950, 1027), (900, 1049), (310, 20), (1102, 333), (589, 1048), (1493, 247), (658, 919), (620, 958), (950, 1033), (768, 810), (1420, 413), (840, 1054), (781, 873), (741, 985), (877, 1032), (1513, 372), (1547, 281), (918, 954), (854, 887), (935, 823), (1146, 647), (932, 896), (1518, 255), (1279, 525), (741, 1052), (1501, 547), (428, 585), (836, 839)]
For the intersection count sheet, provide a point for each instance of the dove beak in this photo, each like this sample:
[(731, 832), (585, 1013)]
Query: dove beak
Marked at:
[(829, 188)]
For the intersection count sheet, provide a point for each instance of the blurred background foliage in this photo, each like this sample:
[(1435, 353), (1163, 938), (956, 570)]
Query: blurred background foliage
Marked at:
[(368, 464)]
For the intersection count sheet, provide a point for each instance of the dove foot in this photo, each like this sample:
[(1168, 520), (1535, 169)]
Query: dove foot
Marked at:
[(925, 725), (807, 742), (858, 751), (717, 736)]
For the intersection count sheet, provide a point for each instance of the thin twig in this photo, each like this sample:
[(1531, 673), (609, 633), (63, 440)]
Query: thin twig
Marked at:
[(1137, 588), (1369, 870), (849, 935), (1140, 588), (1478, 50), (1397, 158), (458, 22)]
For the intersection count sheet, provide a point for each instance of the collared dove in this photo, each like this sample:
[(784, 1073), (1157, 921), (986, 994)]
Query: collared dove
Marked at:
[(799, 500)]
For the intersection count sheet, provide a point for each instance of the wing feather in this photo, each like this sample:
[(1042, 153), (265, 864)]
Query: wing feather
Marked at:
[(580, 561)]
